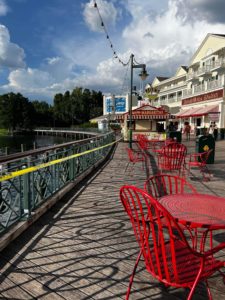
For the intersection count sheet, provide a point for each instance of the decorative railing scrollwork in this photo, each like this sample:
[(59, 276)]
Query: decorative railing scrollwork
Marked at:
[(44, 175)]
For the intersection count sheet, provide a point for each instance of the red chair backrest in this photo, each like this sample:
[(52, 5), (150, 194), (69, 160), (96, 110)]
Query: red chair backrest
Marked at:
[(164, 184), (172, 156), (156, 232), (143, 141), (132, 155)]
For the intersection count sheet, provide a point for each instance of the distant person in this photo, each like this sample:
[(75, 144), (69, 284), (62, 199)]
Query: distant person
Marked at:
[(215, 133), (187, 131), (211, 129), (171, 127)]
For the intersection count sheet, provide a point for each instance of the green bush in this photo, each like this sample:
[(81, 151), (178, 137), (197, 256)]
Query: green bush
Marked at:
[(3, 131), (88, 125)]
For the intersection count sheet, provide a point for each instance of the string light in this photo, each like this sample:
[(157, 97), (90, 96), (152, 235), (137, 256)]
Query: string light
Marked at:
[(108, 38)]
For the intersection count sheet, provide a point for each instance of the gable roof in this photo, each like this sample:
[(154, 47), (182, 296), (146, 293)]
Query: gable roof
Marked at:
[(182, 70), (161, 78), (220, 38)]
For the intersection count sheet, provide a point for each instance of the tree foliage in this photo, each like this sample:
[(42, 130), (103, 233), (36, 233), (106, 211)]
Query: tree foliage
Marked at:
[(68, 109), (16, 112)]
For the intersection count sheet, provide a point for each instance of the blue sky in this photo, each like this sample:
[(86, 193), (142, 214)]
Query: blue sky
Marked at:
[(50, 46)]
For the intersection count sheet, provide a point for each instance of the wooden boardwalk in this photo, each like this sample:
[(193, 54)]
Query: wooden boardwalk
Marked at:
[(84, 248)]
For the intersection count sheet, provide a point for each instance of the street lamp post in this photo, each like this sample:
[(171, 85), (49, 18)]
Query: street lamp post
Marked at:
[(143, 76)]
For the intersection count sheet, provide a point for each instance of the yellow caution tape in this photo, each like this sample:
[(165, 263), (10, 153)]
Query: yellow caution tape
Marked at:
[(50, 163)]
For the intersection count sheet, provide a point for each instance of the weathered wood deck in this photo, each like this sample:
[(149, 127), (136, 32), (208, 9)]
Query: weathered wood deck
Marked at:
[(84, 247)]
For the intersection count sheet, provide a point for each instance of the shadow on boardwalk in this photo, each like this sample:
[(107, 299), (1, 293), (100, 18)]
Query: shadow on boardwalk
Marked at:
[(84, 248)]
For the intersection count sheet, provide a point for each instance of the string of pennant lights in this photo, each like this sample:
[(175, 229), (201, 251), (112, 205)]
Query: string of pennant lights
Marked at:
[(116, 56)]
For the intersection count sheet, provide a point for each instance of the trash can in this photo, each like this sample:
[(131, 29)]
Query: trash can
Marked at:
[(204, 143), (103, 125), (175, 134)]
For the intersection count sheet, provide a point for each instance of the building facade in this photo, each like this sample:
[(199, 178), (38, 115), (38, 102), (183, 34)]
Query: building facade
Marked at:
[(195, 94)]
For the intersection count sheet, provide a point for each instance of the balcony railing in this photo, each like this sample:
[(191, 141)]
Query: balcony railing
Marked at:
[(204, 70), (192, 76), (218, 64), (211, 85)]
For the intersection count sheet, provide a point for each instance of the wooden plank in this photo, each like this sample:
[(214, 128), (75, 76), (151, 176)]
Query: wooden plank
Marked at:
[(84, 247)]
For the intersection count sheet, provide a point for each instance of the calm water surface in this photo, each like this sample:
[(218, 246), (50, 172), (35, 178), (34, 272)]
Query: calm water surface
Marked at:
[(13, 143)]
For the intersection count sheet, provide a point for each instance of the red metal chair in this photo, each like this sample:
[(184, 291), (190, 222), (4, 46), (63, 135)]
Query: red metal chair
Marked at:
[(143, 142), (164, 184), (172, 158), (170, 141), (199, 160), (135, 157), (163, 245)]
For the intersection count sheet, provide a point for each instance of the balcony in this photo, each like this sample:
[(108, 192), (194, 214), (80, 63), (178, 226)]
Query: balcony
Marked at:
[(193, 76), (173, 87), (218, 64), (204, 71), (203, 88)]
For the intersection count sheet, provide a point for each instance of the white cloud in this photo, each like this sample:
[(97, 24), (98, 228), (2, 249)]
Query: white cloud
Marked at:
[(4, 9), (29, 78), (11, 55), (107, 11), (211, 11), (161, 35), (164, 42), (58, 67)]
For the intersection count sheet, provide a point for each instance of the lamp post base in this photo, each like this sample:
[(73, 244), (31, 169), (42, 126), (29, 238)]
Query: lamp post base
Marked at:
[(130, 138)]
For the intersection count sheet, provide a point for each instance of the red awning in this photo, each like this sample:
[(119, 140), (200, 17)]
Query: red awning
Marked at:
[(207, 109), (198, 111), (187, 112)]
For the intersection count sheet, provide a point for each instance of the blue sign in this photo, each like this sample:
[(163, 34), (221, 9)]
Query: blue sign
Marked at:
[(109, 105), (120, 104)]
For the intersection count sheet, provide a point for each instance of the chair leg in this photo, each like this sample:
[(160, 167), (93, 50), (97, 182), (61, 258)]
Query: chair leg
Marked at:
[(205, 170), (132, 275), (196, 281), (208, 290)]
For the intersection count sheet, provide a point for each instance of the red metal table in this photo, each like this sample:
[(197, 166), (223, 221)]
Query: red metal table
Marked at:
[(198, 210), (199, 213)]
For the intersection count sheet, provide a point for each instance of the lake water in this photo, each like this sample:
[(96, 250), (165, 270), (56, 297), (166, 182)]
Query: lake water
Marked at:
[(13, 143)]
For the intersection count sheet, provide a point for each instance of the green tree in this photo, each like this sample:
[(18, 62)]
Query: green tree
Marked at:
[(16, 112), (43, 114), (58, 109)]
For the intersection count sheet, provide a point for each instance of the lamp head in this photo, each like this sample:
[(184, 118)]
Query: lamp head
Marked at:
[(143, 74)]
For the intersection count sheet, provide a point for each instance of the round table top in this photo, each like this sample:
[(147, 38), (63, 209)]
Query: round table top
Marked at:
[(196, 210)]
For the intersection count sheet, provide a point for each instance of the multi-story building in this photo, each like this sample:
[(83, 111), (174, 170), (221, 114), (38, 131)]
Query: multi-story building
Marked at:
[(170, 90), (196, 94)]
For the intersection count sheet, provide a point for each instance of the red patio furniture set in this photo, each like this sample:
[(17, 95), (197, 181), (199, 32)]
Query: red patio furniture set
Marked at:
[(165, 217), (172, 156), (173, 224)]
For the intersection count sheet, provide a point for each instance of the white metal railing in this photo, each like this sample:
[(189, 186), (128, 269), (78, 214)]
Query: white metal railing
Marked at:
[(208, 86), (187, 92), (214, 84), (199, 88), (192, 75), (203, 70), (162, 101), (218, 63)]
